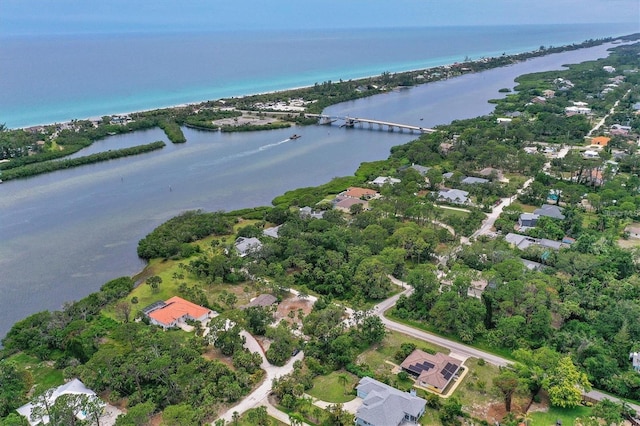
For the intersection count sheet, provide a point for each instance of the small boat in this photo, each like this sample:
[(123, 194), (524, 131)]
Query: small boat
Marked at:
[(294, 136)]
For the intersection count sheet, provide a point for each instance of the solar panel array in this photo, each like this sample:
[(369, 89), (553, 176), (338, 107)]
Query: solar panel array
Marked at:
[(418, 368), (449, 370), (152, 307)]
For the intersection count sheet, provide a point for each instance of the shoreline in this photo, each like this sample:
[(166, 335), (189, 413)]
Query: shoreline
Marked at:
[(535, 53), (140, 275), (141, 268)]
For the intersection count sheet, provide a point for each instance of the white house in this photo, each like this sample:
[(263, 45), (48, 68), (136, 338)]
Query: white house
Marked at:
[(573, 110), (74, 387), (383, 405), (634, 357), (381, 180), (245, 246), (456, 196), (590, 154)]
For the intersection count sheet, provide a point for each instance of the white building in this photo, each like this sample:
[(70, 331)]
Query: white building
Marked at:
[(381, 180), (74, 387), (634, 357)]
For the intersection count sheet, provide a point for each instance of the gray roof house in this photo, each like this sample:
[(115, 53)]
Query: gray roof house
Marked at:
[(549, 210), (528, 220), (523, 242), (447, 175), (473, 180), (263, 300), (420, 169), (531, 265), (384, 405), (308, 212), (272, 232), (246, 246), (456, 196)]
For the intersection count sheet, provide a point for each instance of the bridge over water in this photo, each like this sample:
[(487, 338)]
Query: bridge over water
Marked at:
[(352, 121)]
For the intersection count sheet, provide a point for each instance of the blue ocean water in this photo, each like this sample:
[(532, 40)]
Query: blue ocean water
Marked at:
[(58, 78)]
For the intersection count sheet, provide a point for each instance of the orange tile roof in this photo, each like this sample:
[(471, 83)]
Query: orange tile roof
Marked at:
[(359, 192), (176, 308), (600, 140)]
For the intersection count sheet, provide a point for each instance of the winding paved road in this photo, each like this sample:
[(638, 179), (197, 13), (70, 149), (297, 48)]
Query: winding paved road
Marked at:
[(459, 350)]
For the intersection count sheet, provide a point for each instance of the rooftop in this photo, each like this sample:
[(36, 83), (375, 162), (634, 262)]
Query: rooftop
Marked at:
[(434, 370), (262, 300), (384, 405), (523, 242), (454, 195), (247, 245), (272, 232), (74, 387), (346, 203), (420, 169), (176, 308), (381, 180), (355, 192), (473, 180), (550, 210)]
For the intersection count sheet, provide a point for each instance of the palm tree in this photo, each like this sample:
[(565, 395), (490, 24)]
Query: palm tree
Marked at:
[(295, 419), (235, 417), (343, 379)]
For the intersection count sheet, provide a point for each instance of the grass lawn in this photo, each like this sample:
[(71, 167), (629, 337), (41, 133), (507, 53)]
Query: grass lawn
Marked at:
[(43, 373), (377, 356), (426, 327), (244, 421), (329, 388), (477, 387), (430, 418), (166, 269), (448, 213), (567, 415), (526, 208)]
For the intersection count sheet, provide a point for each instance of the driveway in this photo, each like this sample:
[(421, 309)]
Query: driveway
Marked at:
[(256, 398)]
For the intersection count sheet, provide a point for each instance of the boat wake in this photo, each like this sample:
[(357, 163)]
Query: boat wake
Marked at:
[(272, 145), (241, 154)]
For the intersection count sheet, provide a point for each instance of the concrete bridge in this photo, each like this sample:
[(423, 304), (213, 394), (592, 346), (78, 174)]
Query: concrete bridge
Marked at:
[(352, 121)]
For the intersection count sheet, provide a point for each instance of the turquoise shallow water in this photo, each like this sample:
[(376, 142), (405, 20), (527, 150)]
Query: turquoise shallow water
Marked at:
[(58, 78)]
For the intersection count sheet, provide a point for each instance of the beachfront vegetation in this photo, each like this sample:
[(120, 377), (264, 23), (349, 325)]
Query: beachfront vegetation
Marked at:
[(253, 127), (42, 143), (570, 322), (50, 166), (173, 131)]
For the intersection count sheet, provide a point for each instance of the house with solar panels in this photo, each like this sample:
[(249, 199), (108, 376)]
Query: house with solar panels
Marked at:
[(433, 372)]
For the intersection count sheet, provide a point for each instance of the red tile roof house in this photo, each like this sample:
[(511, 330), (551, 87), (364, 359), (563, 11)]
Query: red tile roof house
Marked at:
[(433, 372), (175, 311), (361, 193)]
